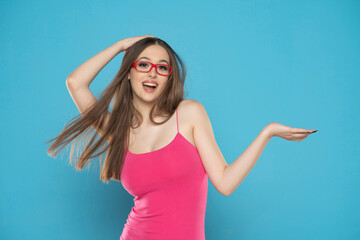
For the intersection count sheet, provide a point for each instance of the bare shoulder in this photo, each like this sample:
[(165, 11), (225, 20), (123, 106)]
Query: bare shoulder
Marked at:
[(190, 105), (190, 114), (191, 110)]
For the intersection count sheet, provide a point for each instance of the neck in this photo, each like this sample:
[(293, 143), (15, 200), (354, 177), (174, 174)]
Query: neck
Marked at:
[(144, 109)]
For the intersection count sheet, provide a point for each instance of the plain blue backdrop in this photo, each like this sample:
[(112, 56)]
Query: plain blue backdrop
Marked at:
[(249, 63)]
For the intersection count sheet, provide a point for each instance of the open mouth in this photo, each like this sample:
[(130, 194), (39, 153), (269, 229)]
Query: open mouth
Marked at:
[(149, 87)]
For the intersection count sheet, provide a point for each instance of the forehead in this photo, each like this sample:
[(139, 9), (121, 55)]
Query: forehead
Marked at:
[(155, 53)]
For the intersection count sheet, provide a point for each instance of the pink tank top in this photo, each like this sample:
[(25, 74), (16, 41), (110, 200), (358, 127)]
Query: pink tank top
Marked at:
[(169, 186)]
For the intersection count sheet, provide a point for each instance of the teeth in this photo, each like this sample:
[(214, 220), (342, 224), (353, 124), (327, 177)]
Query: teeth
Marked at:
[(150, 84)]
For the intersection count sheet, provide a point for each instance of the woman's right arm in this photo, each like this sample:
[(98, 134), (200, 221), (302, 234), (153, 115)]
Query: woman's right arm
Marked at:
[(78, 82), (86, 72)]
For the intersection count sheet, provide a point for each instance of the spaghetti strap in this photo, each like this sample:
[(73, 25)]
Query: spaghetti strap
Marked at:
[(177, 123)]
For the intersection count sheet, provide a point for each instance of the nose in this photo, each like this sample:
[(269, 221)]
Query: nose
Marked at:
[(152, 72)]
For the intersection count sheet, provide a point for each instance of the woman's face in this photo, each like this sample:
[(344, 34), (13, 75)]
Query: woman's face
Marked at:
[(157, 55)]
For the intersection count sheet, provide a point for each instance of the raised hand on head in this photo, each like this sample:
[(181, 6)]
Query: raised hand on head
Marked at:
[(128, 42)]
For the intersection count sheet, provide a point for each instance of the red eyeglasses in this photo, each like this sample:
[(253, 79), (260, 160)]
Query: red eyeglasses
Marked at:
[(145, 66)]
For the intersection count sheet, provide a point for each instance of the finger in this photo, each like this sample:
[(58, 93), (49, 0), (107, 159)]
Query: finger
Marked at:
[(307, 131), (311, 131), (299, 130)]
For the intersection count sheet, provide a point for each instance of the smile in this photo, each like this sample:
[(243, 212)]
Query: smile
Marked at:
[(149, 89)]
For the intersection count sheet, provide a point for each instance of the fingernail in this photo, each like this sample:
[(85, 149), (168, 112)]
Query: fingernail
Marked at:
[(313, 131)]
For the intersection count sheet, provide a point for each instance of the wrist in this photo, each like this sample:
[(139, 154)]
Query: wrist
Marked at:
[(119, 46)]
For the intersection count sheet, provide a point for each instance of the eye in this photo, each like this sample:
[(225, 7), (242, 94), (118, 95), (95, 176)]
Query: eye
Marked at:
[(142, 64), (163, 67)]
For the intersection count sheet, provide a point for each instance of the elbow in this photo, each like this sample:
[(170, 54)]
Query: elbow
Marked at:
[(71, 84), (222, 191), (68, 79), (226, 192), (67, 82)]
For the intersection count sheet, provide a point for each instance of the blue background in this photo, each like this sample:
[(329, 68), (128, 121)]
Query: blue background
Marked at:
[(249, 63)]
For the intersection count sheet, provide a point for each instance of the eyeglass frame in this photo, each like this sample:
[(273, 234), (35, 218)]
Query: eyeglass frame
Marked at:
[(152, 66)]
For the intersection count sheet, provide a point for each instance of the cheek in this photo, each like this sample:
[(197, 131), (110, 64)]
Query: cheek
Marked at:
[(134, 75)]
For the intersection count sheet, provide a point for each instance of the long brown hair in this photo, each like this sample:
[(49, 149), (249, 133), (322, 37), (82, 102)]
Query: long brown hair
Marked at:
[(123, 116)]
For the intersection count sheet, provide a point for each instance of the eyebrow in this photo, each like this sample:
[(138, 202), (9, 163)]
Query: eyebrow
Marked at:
[(162, 60)]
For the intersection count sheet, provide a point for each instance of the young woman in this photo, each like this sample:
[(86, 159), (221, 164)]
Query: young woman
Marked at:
[(160, 146)]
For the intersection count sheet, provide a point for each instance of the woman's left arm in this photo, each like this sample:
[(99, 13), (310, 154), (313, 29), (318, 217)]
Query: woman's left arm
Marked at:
[(226, 178), (235, 173)]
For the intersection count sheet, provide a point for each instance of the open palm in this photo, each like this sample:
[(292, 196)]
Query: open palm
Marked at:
[(289, 133)]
